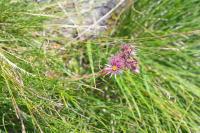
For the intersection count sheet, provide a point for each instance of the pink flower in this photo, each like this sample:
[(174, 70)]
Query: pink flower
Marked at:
[(122, 61), (117, 60), (132, 64), (115, 66), (127, 50)]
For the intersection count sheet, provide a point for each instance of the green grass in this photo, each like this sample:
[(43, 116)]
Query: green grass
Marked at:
[(53, 90)]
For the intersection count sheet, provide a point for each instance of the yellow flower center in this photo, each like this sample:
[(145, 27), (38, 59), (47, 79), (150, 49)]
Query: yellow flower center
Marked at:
[(114, 68)]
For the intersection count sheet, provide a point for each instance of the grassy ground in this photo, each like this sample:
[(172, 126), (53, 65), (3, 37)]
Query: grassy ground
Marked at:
[(48, 88)]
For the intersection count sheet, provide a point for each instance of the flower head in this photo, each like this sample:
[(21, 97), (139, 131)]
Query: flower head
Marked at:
[(127, 50), (132, 64), (117, 60), (123, 60), (115, 66)]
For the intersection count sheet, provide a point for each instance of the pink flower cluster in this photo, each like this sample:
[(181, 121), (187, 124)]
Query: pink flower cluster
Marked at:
[(121, 61)]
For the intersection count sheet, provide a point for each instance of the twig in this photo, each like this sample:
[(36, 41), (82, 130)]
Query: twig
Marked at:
[(98, 21)]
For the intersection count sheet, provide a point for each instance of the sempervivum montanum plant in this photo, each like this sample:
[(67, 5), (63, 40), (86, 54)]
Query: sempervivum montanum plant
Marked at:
[(123, 60)]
